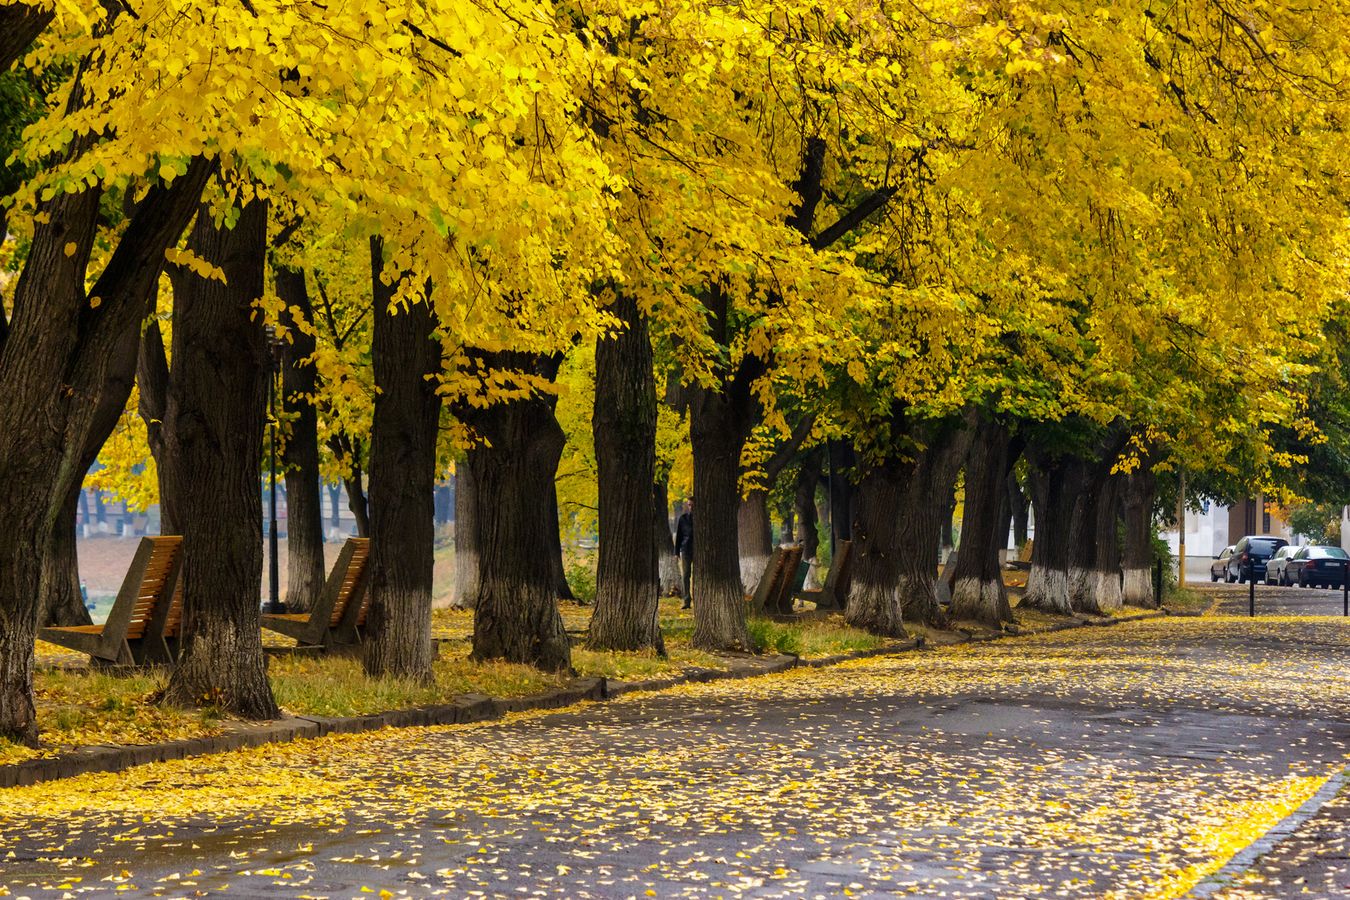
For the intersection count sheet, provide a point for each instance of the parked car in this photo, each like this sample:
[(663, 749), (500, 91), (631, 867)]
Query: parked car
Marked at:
[(1319, 566), (1250, 556), (1219, 568), (1275, 567)]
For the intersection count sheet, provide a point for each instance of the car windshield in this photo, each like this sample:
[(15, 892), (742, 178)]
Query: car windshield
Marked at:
[(1265, 546), (1328, 553)]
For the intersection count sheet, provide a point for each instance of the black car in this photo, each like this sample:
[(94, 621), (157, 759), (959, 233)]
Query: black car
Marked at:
[(1250, 556), (1319, 566)]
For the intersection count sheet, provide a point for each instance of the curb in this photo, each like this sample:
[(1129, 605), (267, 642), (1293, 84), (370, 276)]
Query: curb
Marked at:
[(1243, 860), (463, 710)]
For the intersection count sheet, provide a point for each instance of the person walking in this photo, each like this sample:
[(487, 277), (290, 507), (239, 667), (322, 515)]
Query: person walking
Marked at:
[(684, 547)]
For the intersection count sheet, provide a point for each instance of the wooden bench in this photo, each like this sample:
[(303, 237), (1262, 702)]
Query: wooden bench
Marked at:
[(835, 592), (773, 594), (143, 625), (340, 615)]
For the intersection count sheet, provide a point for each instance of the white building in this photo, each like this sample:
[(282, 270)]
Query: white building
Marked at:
[(1217, 526)]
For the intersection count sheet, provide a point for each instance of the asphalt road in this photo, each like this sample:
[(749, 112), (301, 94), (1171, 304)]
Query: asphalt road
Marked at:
[(1234, 599), (1107, 762)]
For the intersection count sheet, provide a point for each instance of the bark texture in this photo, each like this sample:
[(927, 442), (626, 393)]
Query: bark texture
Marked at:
[(720, 421), (305, 574), (20, 24), (716, 433), (1056, 482), (62, 602), (754, 538), (978, 592), (213, 428), (913, 493), (876, 596), (624, 423), (923, 515), (1137, 497), (1106, 558), (58, 364), (407, 359), (840, 484), (466, 540), (516, 617)]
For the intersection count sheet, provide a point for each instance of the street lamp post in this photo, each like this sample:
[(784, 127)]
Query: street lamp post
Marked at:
[(274, 604)]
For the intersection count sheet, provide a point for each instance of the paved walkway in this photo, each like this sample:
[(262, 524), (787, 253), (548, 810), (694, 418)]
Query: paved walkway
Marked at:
[(1109, 762)]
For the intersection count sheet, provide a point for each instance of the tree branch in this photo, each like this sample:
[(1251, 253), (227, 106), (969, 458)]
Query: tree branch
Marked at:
[(853, 218), (20, 25)]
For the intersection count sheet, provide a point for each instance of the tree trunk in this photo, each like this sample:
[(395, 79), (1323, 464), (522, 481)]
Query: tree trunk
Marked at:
[(717, 435), (1140, 490), (1083, 544), (879, 584), (841, 460), (20, 24), (787, 517), (1020, 508), (58, 362), (947, 529), (668, 564), (213, 429), (407, 362), (913, 493), (1106, 559), (516, 617), (562, 590), (466, 540), (357, 501), (978, 592), (305, 573), (754, 538), (804, 502), (627, 614), (1055, 483), (62, 601), (923, 512), (153, 379)]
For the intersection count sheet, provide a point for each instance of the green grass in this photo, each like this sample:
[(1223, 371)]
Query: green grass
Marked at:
[(337, 686), (82, 708)]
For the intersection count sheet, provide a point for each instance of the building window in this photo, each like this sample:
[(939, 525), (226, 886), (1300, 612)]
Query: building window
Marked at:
[(1265, 522)]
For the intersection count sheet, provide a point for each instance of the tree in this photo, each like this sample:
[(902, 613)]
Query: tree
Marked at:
[(403, 440), (305, 567), (215, 413), (627, 584)]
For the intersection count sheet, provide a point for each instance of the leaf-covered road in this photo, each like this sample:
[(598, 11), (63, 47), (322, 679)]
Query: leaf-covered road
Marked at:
[(1123, 761)]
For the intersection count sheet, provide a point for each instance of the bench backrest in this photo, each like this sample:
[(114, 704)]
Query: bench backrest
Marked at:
[(173, 618), (348, 579), (765, 592), (841, 569), (149, 584)]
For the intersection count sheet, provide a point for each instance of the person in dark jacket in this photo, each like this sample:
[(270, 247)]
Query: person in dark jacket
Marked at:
[(684, 547)]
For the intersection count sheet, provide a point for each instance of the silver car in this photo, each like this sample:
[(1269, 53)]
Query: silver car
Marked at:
[(1276, 569)]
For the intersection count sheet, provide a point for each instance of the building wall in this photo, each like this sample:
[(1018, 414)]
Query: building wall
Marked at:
[(1217, 526)]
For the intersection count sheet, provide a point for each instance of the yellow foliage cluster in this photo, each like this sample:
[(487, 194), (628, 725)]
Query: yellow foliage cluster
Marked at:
[(1083, 210)]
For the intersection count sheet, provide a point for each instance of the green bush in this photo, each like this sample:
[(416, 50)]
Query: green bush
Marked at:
[(769, 636), (581, 577)]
